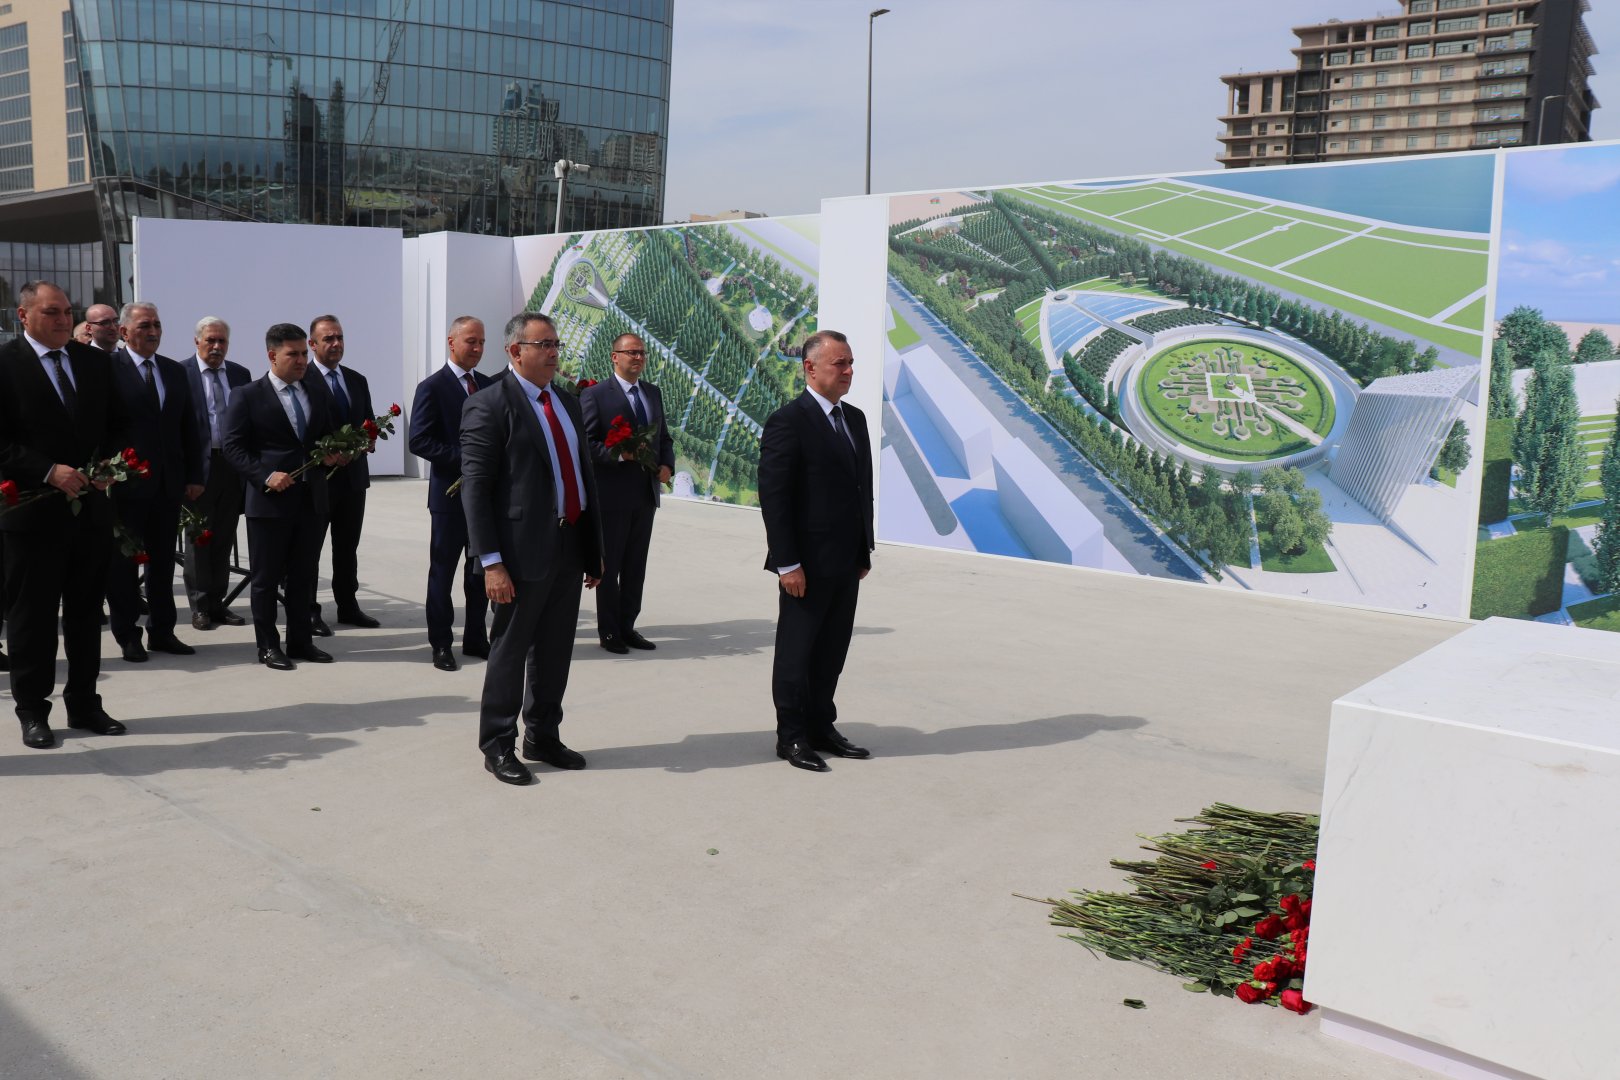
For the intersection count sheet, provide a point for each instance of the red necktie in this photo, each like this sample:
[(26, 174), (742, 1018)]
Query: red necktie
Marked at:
[(471, 386), (565, 461)]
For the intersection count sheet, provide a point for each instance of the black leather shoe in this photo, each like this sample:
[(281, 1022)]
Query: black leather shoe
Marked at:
[(479, 649), (557, 756), (509, 770), (634, 639), (37, 735), (614, 645), (169, 644), (800, 756), (444, 660), (97, 723), (318, 627), (134, 651), (310, 653), (835, 743), (229, 617), (358, 618), (202, 621), (275, 658)]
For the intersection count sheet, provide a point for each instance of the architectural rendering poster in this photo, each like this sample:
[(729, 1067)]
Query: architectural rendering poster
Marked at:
[(1549, 484), (1263, 379), (722, 308)]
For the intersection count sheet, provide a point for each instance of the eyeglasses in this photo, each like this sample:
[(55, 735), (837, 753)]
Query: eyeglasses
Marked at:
[(544, 343), (631, 352)]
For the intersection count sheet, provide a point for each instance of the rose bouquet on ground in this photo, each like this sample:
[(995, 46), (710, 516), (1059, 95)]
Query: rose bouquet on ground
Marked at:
[(1226, 907), (101, 474), (348, 442)]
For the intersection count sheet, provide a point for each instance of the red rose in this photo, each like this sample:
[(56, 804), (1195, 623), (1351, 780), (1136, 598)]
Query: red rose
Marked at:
[(585, 383), (1305, 910), (1310, 864), (1294, 1001), (1248, 993), (1266, 969), (8, 489), (1269, 927), (144, 469), (141, 558), (370, 428), (129, 455), (1210, 865), (204, 537), (1240, 948), (1289, 903), (393, 410)]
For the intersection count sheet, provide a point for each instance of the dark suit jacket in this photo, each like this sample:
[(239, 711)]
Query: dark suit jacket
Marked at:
[(235, 375), (166, 437), (815, 495), (622, 480), (356, 475), (260, 440), (36, 431), (435, 432), (507, 491)]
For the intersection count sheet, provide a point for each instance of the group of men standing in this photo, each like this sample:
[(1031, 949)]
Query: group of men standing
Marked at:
[(528, 500)]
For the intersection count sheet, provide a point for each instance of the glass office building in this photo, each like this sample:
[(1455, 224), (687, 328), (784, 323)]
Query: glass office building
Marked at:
[(422, 115)]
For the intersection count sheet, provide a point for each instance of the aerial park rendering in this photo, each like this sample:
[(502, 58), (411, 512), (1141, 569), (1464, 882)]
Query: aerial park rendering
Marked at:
[(1270, 389)]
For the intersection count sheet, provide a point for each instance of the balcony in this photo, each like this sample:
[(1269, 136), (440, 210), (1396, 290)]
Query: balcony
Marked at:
[(1502, 71), (1499, 116), (1504, 140)]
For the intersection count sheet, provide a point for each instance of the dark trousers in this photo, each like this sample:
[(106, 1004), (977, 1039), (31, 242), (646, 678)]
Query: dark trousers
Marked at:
[(284, 548), (447, 550), (208, 568), (154, 522), (812, 640), (62, 569), (530, 652), (348, 509), (626, 536)]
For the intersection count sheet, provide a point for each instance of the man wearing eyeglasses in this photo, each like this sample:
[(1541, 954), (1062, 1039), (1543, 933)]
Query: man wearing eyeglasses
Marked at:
[(529, 493), (103, 323), (630, 493)]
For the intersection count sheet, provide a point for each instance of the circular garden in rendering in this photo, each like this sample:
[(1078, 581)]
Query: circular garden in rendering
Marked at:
[(1235, 399)]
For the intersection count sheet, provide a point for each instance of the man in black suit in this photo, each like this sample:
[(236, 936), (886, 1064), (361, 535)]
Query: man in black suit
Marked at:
[(208, 566), (529, 493), (156, 400), (815, 493), (348, 399), (271, 429), (435, 433), (58, 413), (630, 493)]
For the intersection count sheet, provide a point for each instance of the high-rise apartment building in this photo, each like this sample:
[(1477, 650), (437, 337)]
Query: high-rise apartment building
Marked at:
[(421, 115), (1438, 75)]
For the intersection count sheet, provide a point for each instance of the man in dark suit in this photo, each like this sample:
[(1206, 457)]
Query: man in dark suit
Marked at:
[(435, 434), (630, 493), (102, 319), (348, 399), (58, 412), (529, 493), (156, 399), (815, 493), (271, 429), (208, 566)]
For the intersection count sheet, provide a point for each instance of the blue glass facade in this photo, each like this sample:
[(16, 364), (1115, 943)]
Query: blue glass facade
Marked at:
[(423, 115)]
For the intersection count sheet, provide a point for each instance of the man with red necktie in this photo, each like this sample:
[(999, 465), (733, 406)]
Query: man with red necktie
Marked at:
[(529, 494)]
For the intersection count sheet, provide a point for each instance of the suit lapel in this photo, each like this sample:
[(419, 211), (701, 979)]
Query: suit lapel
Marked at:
[(518, 400), (31, 374)]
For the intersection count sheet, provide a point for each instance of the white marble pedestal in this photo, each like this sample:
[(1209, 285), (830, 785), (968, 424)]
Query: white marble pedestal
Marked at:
[(1468, 881)]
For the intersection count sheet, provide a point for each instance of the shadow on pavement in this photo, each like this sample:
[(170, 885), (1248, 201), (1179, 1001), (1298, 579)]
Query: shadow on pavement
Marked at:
[(27, 1051)]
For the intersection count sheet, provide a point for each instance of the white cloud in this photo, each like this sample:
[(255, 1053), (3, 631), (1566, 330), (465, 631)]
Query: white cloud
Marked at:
[(1563, 174)]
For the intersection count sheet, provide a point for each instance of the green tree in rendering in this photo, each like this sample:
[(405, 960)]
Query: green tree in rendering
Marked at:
[(1453, 454), (1290, 510), (1529, 334), (1546, 441), (1504, 402), (1607, 549), (1594, 347)]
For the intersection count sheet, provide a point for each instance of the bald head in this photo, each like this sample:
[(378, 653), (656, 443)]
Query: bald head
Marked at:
[(103, 323)]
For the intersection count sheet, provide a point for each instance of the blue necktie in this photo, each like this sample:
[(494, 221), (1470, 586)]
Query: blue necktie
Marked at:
[(299, 423), (338, 392), (635, 405)]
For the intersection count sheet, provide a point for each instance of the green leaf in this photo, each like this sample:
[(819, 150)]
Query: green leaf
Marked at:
[(1134, 1003), (1226, 918), (1195, 987), (1246, 912), (75, 506), (1245, 898), (714, 851)]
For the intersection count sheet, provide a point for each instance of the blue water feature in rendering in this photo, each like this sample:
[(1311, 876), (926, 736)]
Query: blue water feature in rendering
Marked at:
[(1068, 327), (1451, 192), (979, 511)]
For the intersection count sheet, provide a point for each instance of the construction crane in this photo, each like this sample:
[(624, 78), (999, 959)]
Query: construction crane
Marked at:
[(379, 85)]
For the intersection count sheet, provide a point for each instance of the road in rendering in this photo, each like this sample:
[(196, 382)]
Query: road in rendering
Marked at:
[(1146, 551)]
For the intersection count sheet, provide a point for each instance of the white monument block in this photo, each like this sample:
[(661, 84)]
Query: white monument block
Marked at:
[(1467, 874)]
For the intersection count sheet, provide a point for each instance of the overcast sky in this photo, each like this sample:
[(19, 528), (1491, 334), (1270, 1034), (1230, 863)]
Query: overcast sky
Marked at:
[(767, 97)]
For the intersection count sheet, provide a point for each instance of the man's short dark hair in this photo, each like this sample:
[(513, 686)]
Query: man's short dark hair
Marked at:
[(26, 294), (283, 332), (820, 338), (317, 320), (515, 325)]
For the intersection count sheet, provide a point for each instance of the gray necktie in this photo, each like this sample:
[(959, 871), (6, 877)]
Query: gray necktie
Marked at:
[(838, 422), (216, 405)]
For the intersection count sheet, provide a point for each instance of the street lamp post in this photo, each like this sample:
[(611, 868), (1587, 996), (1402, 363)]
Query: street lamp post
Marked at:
[(870, 20), (561, 171), (1541, 116)]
